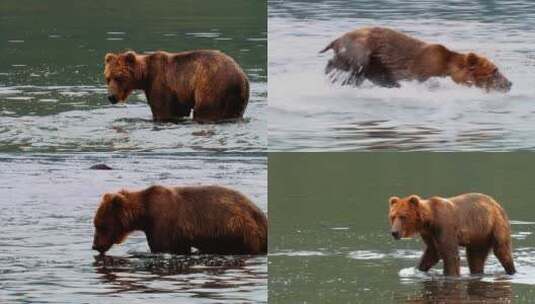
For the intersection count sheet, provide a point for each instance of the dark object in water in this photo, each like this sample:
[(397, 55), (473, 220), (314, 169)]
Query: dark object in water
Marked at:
[(100, 167)]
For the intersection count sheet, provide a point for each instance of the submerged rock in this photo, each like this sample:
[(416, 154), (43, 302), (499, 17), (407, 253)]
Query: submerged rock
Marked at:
[(100, 167)]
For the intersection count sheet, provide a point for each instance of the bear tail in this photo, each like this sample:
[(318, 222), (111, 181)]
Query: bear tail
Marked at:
[(328, 47)]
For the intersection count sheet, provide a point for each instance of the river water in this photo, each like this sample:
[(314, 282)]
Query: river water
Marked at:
[(307, 113), (339, 249), (46, 212)]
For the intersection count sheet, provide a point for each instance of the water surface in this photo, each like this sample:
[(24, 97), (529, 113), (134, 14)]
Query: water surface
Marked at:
[(330, 238), (307, 113), (46, 212), (52, 92)]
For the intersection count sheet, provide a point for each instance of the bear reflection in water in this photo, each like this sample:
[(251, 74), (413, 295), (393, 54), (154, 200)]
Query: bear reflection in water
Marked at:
[(167, 264), (385, 56), (143, 272), (461, 291)]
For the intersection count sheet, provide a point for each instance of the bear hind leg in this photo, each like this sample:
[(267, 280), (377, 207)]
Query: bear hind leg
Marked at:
[(341, 71), (476, 256), (349, 64)]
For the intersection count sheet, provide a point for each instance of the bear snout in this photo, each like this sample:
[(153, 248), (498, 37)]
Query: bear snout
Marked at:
[(99, 246), (396, 235), (507, 86), (100, 249), (95, 247), (113, 99), (501, 84)]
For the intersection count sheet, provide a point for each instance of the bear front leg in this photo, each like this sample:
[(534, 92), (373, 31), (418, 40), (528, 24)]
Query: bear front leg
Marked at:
[(181, 248), (430, 257), (166, 108), (168, 245), (448, 250)]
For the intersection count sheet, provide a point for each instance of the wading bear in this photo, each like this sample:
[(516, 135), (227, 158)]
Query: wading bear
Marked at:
[(206, 81), (473, 220), (385, 56), (213, 219)]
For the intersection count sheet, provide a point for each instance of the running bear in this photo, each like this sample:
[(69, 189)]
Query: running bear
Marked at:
[(385, 56)]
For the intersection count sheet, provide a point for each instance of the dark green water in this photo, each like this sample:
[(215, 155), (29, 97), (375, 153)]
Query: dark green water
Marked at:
[(330, 240), (52, 92)]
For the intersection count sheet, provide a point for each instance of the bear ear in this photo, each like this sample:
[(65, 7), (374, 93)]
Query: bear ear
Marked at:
[(109, 57), (115, 200), (471, 60), (414, 200), (393, 200), (130, 58)]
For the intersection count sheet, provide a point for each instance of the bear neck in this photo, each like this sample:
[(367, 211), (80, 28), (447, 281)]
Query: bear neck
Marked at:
[(134, 213), (140, 72), (433, 60), (456, 61), (425, 213)]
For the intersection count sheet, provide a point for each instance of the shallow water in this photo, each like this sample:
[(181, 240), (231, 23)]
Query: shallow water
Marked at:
[(46, 211), (339, 248), (307, 113), (52, 91)]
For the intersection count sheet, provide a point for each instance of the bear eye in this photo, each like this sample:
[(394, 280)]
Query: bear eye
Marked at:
[(402, 217)]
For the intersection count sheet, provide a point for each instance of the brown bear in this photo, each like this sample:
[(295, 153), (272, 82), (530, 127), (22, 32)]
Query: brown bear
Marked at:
[(213, 219), (385, 56), (472, 220), (208, 82)]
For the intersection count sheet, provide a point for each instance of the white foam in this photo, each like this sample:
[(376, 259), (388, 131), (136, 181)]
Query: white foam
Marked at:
[(366, 255), (298, 253)]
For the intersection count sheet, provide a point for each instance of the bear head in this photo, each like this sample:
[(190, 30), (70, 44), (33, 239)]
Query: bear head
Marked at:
[(405, 216), (114, 219), (122, 74), (472, 69)]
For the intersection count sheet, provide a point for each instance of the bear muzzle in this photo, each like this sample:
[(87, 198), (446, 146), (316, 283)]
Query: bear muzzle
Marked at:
[(113, 99), (100, 248), (396, 235), (506, 86), (500, 83)]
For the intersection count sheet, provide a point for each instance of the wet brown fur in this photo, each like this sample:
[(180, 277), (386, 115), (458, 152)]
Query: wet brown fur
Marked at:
[(208, 82), (473, 220), (385, 56), (213, 219)]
